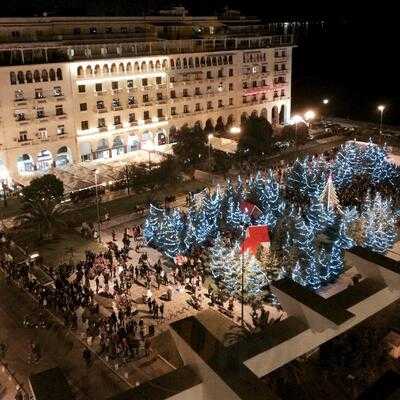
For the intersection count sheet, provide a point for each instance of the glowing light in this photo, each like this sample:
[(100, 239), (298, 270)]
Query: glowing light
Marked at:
[(325, 101), (381, 108), (210, 136), (235, 130), (296, 119), (309, 115)]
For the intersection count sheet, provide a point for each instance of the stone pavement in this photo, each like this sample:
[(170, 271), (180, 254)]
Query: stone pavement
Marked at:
[(60, 348)]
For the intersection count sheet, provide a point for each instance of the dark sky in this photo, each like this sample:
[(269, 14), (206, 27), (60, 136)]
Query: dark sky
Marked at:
[(197, 7)]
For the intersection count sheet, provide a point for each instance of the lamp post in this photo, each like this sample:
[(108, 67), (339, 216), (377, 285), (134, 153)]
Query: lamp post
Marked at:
[(294, 121), (309, 115), (236, 130), (96, 172), (381, 109), (325, 102), (210, 136)]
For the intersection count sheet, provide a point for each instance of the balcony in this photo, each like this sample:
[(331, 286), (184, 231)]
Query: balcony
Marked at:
[(133, 105), (148, 121), (163, 118), (117, 126), (100, 110), (100, 92), (281, 72), (162, 86), (147, 103), (133, 123), (132, 89), (116, 91), (61, 116), (103, 128), (117, 108), (20, 101)]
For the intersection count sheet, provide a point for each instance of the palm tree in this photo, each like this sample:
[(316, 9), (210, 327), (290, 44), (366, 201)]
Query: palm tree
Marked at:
[(45, 217)]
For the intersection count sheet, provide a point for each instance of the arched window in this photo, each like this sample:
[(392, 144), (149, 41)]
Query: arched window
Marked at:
[(143, 67), (208, 61), (59, 74), (129, 67), (45, 76), (136, 67), (88, 70), (21, 77), (214, 61), (13, 78), (106, 69), (197, 62), (29, 77), (97, 69), (178, 63), (220, 60), (230, 60), (158, 65), (203, 61), (121, 67), (52, 74), (151, 66), (36, 75), (185, 64), (164, 64), (79, 71), (190, 62), (172, 62), (113, 68)]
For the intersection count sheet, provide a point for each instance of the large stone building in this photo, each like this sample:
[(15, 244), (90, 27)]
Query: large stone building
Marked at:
[(83, 89)]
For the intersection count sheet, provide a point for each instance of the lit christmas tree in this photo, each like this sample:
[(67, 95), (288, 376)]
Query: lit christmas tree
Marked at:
[(241, 191), (152, 225), (345, 239), (219, 258), (190, 236), (297, 179), (171, 233), (212, 208), (379, 224), (329, 196), (318, 216), (305, 271), (203, 228), (335, 264), (347, 164), (236, 219)]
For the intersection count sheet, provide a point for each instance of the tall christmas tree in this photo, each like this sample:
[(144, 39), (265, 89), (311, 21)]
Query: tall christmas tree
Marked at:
[(318, 215), (171, 233), (152, 225), (379, 224), (212, 208), (329, 196), (219, 261), (347, 164)]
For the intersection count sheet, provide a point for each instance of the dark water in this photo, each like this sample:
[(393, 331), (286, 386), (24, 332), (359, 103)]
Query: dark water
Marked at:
[(352, 62)]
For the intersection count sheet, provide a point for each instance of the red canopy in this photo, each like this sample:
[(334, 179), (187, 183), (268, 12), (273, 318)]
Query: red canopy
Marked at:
[(256, 235)]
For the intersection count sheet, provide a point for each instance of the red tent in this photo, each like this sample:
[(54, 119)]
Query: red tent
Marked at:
[(256, 235)]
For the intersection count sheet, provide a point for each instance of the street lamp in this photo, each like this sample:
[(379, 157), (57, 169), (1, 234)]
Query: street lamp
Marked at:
[(325, 102), (235, 130), (210, 136), (381, 109), (296, 119), (96, 173), (309, 115)]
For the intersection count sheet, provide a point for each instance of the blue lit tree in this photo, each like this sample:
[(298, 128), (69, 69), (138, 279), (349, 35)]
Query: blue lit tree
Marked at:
[(347, 164), (219, 260), (379, 224), (171, 232), (152, 225), (236, 219), (336, 265), (203, 228), (297, 179), (190, 238), (318, 216), (345, 239), (212, 208)]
